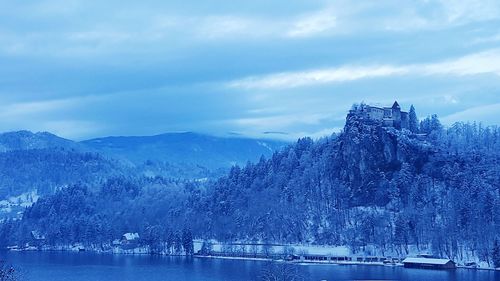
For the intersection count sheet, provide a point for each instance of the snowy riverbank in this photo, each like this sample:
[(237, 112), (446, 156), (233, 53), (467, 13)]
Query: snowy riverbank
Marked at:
[(294, 253)]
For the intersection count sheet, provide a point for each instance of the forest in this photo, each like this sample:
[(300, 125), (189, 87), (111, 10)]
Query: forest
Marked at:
[(430, 187)]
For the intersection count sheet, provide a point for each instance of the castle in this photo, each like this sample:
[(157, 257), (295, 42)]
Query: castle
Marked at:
[(386, 116)]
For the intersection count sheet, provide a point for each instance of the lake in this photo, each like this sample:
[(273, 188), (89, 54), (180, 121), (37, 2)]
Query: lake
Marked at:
[(66, 266)]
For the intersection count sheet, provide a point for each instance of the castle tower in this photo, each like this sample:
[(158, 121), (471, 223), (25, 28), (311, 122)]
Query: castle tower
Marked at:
[(396, 115), (396, 105)]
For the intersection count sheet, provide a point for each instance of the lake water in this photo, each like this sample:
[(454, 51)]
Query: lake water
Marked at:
[(63, 266)]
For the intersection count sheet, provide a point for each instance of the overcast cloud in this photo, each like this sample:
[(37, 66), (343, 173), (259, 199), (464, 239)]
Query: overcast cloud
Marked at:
[(83, 69)]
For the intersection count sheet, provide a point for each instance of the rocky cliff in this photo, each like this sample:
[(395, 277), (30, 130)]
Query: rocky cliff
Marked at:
[(369, 154)]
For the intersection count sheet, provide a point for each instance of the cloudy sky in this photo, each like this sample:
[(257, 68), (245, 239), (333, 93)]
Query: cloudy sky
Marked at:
[(83, 69)]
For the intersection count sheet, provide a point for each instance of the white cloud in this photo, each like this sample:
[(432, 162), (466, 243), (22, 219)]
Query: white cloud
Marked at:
[(450, 99), (84, 29), (479, 63), (49, 115), (284, 126), (487, 39), (277, 122), (233, 26), (487, 62), (71, 129), (226, 26), (38, 107), (487, 114), (99, 36), (315, 77), (419, 15), (465, 11), (318, 134), (313, 24), (433, 14)]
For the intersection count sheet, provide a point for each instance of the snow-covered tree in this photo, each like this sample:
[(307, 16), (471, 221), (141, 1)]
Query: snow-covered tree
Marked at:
[(413, 120)]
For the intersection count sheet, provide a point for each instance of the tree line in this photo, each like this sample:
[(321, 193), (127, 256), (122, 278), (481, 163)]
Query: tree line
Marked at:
[(433, 188)]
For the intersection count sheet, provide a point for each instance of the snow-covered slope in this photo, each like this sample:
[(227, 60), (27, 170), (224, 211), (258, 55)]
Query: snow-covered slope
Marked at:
[(25, 140)]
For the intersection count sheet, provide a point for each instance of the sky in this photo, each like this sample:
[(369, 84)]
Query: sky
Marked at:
[(274, 69)]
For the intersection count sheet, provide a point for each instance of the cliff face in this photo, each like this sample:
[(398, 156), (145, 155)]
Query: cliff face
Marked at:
[(369, 154)]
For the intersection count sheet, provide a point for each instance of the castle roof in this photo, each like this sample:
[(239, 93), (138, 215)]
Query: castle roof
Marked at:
[(396, 105)]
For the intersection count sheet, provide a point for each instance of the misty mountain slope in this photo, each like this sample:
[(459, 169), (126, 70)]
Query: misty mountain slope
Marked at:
[(49, 169), (44, 162), (369, 187), (186, 148), (25, 140)]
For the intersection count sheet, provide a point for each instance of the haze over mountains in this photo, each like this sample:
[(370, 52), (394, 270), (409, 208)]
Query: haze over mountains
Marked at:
[(374, 188), (26, 140), (189, 148), (42, 163)]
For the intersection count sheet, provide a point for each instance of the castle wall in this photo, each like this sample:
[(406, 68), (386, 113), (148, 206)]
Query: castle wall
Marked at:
[(388, 122), (396, 117), (405, 120), (375, 113), (387, 112)]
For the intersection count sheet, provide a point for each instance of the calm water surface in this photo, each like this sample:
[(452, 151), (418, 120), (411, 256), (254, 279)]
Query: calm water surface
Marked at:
[(61, 266)]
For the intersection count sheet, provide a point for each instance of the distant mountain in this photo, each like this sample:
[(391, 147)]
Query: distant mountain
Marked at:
[(376, 189), (209, 152), (43, 162), (46, 170), (25, 140)]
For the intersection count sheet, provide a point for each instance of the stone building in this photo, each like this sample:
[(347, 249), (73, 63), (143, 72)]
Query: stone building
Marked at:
[(386, 116)]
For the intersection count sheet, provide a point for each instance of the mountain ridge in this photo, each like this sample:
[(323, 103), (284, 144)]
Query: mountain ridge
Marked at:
[(35, 161), (25, 140), (187, 147)]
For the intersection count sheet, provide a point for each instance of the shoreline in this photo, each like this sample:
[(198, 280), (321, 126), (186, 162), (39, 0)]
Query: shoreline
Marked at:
[(328, 263), (306, 263)]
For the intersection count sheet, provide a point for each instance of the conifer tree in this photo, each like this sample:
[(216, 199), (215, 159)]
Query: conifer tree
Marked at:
[(413, 120), (187, 241)]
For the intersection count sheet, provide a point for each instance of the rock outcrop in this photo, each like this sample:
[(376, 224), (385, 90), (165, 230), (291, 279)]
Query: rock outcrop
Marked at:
[(369, 154)]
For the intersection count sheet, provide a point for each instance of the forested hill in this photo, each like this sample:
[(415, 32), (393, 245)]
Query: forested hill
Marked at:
[(41, 163), (433, 188), (368, 185), (43, 171), (26, 140)]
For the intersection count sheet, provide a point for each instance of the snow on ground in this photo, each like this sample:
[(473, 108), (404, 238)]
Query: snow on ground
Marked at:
[(322, 250), (13, 206), (275, 248)]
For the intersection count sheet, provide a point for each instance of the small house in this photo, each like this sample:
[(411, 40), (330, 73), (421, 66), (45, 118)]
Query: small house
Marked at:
[(78, 247), (130, 240), (35, 235), (37, 239), (429, 263)]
